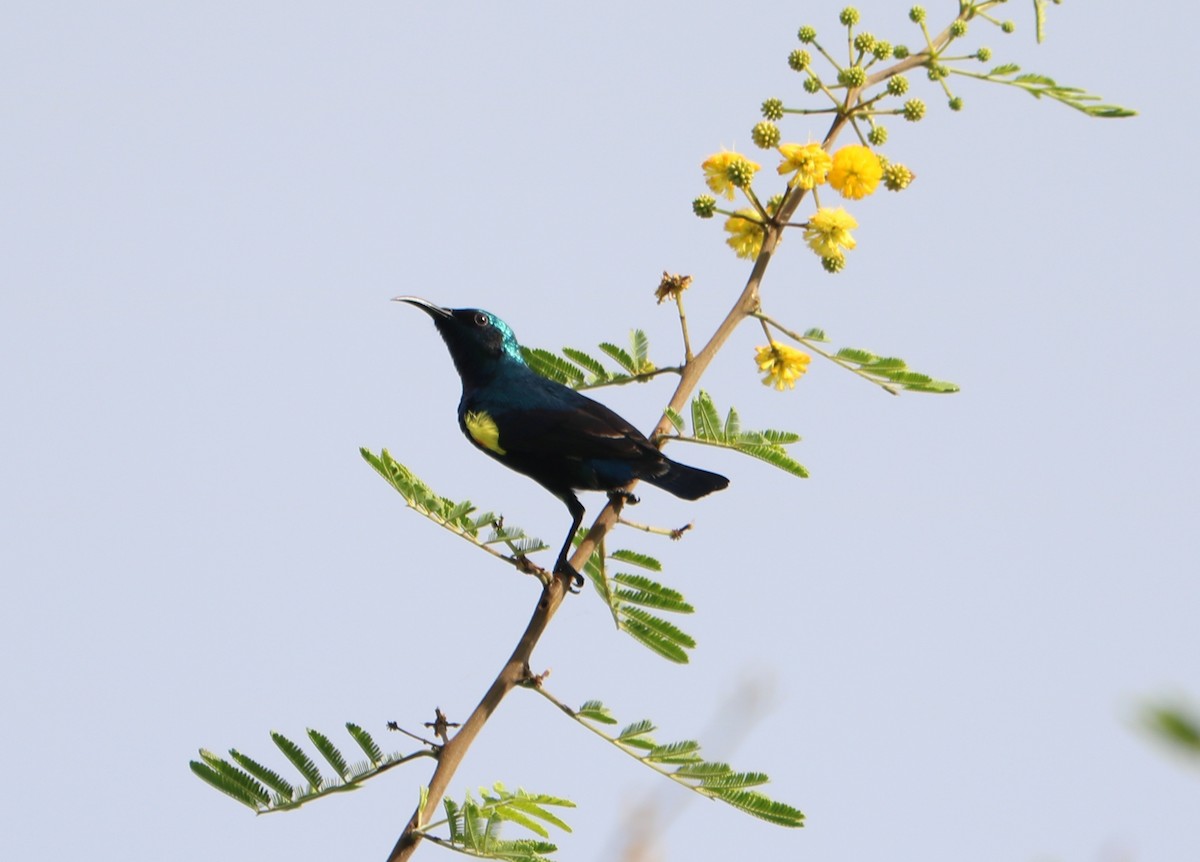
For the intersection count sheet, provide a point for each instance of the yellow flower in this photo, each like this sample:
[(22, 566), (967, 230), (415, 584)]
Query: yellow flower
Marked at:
[(856, 171), (781, 365), (672, 286), (745, 233), (810, 162), (725, 171), (828, 232)]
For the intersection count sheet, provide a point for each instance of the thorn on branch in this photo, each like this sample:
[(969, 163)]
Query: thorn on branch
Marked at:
[(440, 726)]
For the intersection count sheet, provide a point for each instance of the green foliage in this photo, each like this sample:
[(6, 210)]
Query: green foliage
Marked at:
[(1041, 85), (474, 827), (264, 791), (1176, 727), (628, 597), (889, 372), (581, 370), (459, 518), (708, 428), (682, 763)]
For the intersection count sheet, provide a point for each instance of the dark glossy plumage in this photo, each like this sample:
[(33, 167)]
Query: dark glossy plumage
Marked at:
[(561, 439)]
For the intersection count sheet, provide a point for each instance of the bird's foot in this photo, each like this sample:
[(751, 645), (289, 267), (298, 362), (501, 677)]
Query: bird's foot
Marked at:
[(622, 498), (565, 568)]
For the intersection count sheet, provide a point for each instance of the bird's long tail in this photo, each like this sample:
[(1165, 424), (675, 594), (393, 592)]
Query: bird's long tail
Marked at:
[(689, 483)]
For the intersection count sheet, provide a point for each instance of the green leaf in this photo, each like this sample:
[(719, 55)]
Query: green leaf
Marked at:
[(732, 425), (1175, 726), (231, 773), (755, 803), (703, 769), (298, 759), (454, 820), (594, 710), (661, 626), (816, 334), (736, 780), (641, 350), (675, 419), (776, 458), (704, 417), (638, 728), (329, 751), (1006, 69), (621, 356), (858, 357), (650, 636), (682, 752), (780, 438), (549, 365), (226, 784), (269, 777), (587, 361), (644, 591), (636, 559)]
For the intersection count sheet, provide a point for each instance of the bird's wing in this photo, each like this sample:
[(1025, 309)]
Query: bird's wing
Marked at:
[(578, 427)]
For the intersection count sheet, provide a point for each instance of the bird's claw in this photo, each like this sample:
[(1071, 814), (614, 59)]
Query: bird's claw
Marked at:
[(622, 498), (565, 568)]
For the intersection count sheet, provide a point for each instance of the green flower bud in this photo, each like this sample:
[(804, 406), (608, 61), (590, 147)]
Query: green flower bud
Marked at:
[(900, 52), (765, 135), (956, 103), (864, 42), (704, 206), (807, 34), (812, 84), (772, 109), (774, 203), (740, 173), (799, 60), (916, 14), (882, 50), (958, 29), (853, 76), (834, 264), (849, 16), (897, 85), (877, 136), (937, 72), (1008, 26), (897, 177), (983, 55), (914, 110)]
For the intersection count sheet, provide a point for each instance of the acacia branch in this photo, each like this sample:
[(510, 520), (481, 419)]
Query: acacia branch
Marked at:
[(516, 669)]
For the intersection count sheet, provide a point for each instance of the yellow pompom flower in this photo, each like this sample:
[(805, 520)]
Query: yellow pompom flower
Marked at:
[(828, 232), (781, 365), (723, 168), (809, 161), (745, 233), (856, 171)]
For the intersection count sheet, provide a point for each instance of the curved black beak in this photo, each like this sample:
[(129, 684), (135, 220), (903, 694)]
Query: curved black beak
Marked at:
[(434, 311)]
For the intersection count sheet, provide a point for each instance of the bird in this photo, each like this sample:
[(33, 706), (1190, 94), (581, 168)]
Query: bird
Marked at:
[(560, 438)]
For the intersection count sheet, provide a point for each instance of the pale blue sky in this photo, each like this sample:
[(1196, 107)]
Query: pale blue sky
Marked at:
[(207, 207)]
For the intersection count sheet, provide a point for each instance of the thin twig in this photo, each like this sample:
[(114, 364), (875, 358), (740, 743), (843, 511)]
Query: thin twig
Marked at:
[(687, 341)]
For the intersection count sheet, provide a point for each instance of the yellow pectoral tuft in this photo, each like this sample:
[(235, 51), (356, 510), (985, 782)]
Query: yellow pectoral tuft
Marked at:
[(483, 431)]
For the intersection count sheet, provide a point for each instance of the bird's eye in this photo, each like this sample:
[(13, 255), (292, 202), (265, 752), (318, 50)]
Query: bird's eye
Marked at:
[(481, 319)]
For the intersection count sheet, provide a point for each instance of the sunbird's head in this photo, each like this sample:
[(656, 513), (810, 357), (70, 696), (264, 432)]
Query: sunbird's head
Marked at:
[(477, 339)]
